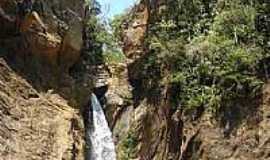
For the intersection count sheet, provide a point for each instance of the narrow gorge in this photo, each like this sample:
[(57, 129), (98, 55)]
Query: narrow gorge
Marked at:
[(164, 80)]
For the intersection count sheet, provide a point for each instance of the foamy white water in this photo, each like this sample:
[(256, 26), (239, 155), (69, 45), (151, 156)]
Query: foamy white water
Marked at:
[(102, 145)]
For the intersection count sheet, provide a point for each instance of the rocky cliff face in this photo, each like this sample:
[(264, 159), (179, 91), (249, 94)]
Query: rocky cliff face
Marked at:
[(36, 124), (60, 46), (157, 131), (41, 101)]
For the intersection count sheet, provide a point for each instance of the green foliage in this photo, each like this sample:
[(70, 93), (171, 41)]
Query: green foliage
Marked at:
[(214, 70), (103, 43), (113, 56), (210, 53), (93, 33), (187, 18), (117, 25), (236, 23), (128, 146)]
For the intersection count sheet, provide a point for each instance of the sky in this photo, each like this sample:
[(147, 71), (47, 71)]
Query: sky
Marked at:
[(114, 7)]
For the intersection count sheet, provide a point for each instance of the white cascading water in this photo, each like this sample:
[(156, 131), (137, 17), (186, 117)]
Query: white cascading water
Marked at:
[(100, 135)]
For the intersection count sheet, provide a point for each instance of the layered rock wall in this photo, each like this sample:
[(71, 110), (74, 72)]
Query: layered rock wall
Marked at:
[(41, 104), (160, 132)]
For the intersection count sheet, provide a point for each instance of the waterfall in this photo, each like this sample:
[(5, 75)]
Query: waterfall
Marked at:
[(99, 134)]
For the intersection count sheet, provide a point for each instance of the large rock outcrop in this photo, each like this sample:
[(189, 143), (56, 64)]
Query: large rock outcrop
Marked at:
[(41, 104), (61, 46), (135, 31), (36, 125)]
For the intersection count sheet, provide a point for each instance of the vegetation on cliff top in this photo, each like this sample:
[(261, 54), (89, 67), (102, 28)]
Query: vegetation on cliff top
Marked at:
[(104, 45), (211, 53)]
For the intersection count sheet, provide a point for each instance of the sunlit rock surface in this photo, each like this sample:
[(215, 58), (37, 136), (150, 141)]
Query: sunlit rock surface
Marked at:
[(40, 112)]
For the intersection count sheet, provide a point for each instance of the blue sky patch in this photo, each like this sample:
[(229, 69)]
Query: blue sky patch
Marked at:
[(114, 7)]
